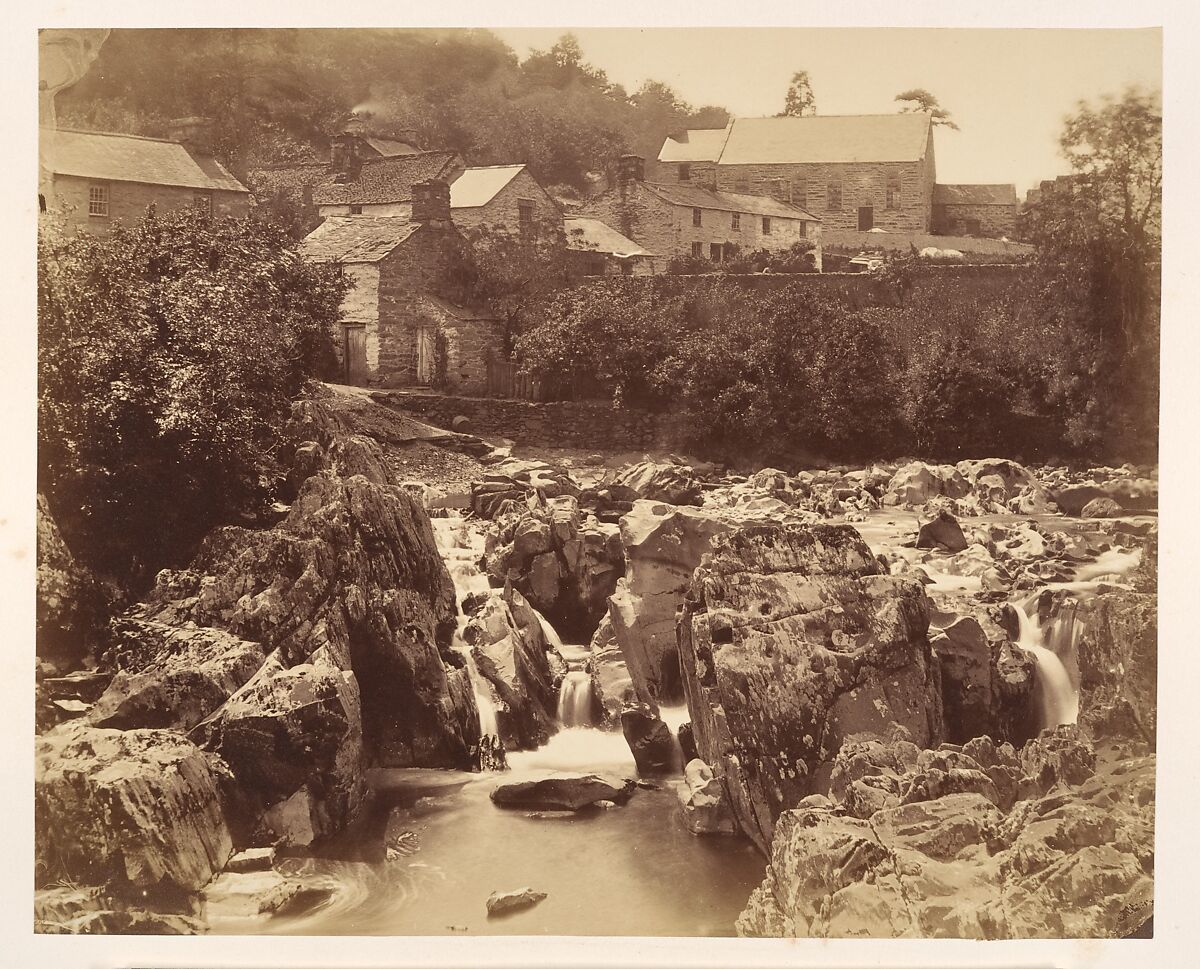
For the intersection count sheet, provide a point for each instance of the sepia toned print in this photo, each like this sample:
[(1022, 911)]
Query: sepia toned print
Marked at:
[(484, 488)]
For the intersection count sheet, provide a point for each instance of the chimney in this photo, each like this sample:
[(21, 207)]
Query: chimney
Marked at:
[(343, 154), (431, 202), (195, 134), (631, 168)]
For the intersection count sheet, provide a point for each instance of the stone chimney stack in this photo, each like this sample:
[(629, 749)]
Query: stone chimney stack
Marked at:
[(631, 168), (195, 134), (431, 202), (343, 154)]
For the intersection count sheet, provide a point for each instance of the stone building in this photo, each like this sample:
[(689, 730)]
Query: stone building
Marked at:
[(684, 218), (975, 210), (854, 171), (597, 249), (94, 178), (395, 330), (504, 197), (380, 186)]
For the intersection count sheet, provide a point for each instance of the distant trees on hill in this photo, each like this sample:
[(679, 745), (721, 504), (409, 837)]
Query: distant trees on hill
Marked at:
[(277, 95)]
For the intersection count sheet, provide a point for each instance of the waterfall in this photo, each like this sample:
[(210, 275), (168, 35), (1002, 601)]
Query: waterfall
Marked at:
[(1057, 696), (575, 700), (550, 634)]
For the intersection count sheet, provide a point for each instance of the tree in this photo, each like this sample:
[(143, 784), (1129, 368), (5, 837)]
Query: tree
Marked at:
[(800, 101), (168, 354), (919, 100)]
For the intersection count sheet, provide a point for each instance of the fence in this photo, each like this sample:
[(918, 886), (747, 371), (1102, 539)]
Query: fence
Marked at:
[(505, 380)]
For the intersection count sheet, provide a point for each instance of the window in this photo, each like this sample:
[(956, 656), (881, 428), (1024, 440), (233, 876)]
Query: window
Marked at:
[(204, 201), (697, 250), (714, 251), (697, 217), (833, 196), (525, 211), (893, 190), (98, 201), (766, 225), (735, 222), (685, 173), (356, 210)]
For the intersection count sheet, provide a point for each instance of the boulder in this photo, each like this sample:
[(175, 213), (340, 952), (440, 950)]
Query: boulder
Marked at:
[(673, 484), (612, 684), (649, 739), (1117, 654), (791, 642), (562, 791), (916, 483), (703, 801), (140, 811), (942, 532), (1102, 507), (171, 676), (499, 903)]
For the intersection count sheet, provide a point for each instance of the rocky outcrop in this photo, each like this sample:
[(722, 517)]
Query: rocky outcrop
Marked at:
[(649, 739), (1103, 507), (791, 643), (915, 483), (513, 485), (673, 484), (71, 602), (564, 562), (703, 801), (510, 651), (137, 810), (562, 791), (943, 851), (1117, 655), (499, 903)]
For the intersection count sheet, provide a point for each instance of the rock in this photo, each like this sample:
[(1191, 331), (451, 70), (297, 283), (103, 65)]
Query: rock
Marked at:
[(509, 648), (1071, 862), (916, 483), (1117, 653), (1072, 499), (943, 532), (171, 676), (703, 801), (1101, 508), (252, 859), (792, 642), (649, 739), (562, 791), (138, 810), (499, 903), (997, 481), (293, 738), (612, 684), (71, 604), (461, 423), (674, 484)]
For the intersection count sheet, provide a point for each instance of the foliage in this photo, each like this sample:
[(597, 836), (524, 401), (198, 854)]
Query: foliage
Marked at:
[(918, 99), (168, 355), (277, 95), (799, 102), (797, 258)]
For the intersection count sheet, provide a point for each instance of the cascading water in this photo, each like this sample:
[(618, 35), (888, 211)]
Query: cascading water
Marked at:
[(1057, 696), (575, 700)]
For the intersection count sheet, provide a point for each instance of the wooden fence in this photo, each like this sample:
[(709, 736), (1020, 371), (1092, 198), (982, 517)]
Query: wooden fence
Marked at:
[(504, 379)]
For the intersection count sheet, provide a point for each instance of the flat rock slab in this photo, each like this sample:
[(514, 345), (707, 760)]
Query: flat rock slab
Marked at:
[(500, 903), (562, 791)]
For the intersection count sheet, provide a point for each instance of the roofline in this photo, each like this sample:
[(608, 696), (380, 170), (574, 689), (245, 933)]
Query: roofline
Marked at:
[(654, 186), (134, 181), (475, 168), (110, 134)]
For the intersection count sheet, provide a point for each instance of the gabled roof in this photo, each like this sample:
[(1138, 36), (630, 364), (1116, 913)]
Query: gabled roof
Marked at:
[(695, 197), (478, 186), (974, 195), (696, 144), (382, 180), (115, 157), (592, 235), (389, 148), (356, 238), (819, 139)]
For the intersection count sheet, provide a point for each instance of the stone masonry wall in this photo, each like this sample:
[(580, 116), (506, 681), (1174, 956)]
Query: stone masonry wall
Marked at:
[(504, 209), (994, 220), (127, 202)]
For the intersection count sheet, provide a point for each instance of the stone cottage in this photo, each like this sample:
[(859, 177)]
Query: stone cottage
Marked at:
[(975, 210), (395, 328), (597, 249), (381, 186), (683, 218), (504, 197), (93, 178)]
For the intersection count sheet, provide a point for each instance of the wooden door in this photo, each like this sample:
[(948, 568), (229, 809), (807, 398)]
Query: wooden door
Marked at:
[(425, 355), (866, 218), (354, 353)]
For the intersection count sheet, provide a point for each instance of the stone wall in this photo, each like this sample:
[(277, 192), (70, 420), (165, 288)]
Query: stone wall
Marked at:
[(994, 220), (399, 210), (127, 201), (504, 209)]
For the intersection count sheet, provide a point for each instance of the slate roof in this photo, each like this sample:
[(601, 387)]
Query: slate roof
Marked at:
[(389, 148), (382, 180), (117, 157), (820, 139), (693, 196), (974, 195), (478, 186), (356, 238), (592, 235), (696, 144)]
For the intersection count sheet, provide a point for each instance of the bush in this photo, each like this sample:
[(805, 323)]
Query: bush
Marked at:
[(168, 354)]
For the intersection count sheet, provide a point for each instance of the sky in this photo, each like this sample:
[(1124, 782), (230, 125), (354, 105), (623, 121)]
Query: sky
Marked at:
[(1009, 90)]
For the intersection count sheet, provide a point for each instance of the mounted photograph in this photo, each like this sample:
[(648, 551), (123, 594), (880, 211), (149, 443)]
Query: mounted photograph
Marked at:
[(680, 482)]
